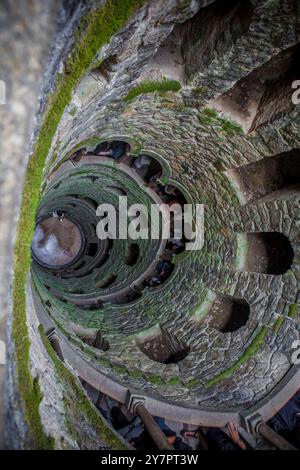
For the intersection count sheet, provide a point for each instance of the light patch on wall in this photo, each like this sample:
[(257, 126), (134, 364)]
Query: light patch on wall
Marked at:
[(2, 353), (2, 92), (296, 94)]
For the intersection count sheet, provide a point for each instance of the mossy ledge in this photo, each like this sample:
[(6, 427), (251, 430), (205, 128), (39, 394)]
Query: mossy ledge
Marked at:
[(151, 86), (209, 116), (294, 309), (248, 353), (95, 30), (278, 324), (80, 408)]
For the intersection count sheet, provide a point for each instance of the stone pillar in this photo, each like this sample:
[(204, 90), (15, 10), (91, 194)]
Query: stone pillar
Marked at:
[(152, 427), (273, 437), (135, 404)]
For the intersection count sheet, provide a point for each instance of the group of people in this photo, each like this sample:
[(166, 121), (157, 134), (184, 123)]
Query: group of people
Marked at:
[(115, 150), (169, 195), (134, 431), (286, 422), (162, 271), (150, 170)]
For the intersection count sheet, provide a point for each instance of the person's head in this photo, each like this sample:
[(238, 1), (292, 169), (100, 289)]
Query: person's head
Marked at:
[(171, 436), (154, 281), (155, 177), (169, 189)]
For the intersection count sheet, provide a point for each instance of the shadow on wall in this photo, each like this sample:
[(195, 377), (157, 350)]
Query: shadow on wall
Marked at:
[(265, 94), (270, 177), (268, 253), (228, 314), (163, 347)]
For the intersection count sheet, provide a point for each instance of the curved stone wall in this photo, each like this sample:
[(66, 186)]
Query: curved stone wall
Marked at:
[(219, 330)]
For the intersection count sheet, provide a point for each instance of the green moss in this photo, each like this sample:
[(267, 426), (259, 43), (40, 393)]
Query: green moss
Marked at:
[(277, 325), (28, 386), (247, 354), (53, 157), (212, 113), (206, 120), (136, 374), (192, 383), (73, 112), (119, 369), (293, 310), (96, 29), (156, 380), (231, 127), (104, 361), (152, 86), (200, 90), (174, 381), (209, 116), (78, 405)]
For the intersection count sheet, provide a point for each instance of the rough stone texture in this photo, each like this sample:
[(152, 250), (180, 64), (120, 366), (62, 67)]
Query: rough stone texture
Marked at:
[(26, 28), (232, 370), (2, 385), (51, 408)]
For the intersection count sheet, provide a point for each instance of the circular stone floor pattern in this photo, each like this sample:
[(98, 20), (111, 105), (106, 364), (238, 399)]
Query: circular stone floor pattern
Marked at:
[(56, 242)]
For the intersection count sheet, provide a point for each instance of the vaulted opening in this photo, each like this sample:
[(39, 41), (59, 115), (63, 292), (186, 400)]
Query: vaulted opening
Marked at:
[(96, 341), (270, 177), (164, 347), (148, 168), (115, 149), (269, 253), (228, 314), (132, 254), (92, 249), (265, 94), (192, 45), (212, 31), (107, 281), (106, 69)]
